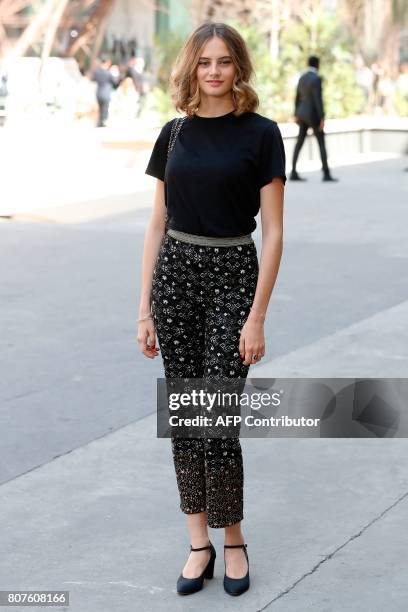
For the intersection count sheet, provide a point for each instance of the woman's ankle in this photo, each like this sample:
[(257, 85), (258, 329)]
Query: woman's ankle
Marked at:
[(200, 542), (233, 535)]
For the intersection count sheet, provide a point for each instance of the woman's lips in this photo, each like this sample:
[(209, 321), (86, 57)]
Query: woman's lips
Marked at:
[(215, 83)]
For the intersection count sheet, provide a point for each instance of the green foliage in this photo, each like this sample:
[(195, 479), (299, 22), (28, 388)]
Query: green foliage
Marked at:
[(401, 103), (159, 101), (269, 77), (323, 36), (342, 96), (165, 54), (275, 80)]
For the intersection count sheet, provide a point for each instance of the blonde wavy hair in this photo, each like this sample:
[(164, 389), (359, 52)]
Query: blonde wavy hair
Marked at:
[(185, 91)]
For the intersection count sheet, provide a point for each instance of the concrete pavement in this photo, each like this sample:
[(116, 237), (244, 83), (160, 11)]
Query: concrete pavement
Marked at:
[(88, 500)]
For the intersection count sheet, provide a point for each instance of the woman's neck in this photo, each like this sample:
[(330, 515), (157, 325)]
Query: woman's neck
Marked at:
[(215, 108)]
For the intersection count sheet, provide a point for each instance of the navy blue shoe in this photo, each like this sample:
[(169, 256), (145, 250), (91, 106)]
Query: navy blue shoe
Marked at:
[(236, 586), (186, 586)]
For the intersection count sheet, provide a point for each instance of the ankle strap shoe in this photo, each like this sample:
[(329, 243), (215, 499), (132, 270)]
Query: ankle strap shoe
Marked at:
[(236, 586), (186, 586)]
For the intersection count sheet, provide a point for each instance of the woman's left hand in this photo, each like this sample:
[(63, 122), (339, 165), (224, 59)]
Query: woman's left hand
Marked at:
[(252, 341)]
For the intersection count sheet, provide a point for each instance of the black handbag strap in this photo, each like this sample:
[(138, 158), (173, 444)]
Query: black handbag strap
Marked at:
[(175, 129)]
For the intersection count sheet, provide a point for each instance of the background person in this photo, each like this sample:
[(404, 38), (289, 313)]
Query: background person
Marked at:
[(107, 78), (309, 112)]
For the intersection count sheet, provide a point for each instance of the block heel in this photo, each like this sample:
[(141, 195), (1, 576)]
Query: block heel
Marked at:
[(187, 586), (209, 570)]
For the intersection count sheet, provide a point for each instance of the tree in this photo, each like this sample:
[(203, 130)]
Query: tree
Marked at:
[(376, 34), (40, 26), (91, 35)]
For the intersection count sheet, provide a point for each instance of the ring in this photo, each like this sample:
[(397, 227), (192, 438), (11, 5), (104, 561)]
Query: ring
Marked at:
[(254, 356)]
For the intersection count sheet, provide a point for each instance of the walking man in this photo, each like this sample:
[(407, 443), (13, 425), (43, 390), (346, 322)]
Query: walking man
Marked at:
[(106, 81), (309, 112)]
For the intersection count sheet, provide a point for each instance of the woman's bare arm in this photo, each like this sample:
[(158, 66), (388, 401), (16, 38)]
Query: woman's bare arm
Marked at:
[(272, 244), (152, 242), (252, 337)]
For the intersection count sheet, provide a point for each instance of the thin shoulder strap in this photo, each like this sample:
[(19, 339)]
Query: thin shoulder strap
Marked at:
[(175, 129)]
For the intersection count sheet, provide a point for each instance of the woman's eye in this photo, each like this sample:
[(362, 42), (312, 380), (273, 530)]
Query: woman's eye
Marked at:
[(222, 62)]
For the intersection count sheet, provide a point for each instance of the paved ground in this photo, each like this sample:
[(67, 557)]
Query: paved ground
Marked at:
[(88, 500)]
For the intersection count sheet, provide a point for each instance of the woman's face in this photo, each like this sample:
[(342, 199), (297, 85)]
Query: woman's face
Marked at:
[(215, 70)]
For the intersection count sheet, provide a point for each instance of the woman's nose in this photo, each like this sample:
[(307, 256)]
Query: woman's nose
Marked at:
[(214, 70)]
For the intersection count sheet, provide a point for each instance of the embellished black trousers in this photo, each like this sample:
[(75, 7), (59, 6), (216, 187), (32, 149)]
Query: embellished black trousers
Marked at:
[(201, 297)]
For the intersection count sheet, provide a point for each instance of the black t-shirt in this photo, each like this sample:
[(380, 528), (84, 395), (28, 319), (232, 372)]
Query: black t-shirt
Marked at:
[(216, 170)]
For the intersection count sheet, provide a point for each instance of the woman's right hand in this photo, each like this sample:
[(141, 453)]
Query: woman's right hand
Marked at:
[(146, 337)]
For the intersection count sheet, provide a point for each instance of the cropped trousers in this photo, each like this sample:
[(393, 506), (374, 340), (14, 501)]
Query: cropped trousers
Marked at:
[(201, 297)]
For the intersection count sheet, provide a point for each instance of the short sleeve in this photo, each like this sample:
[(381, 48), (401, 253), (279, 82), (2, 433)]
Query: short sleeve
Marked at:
[(272, 159), (158, 158)]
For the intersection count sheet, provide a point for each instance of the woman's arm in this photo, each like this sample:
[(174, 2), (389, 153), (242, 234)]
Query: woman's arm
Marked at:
[(152, 242), (252, 335)]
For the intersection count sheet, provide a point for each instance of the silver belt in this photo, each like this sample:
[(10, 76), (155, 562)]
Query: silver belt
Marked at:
[(210, 240)]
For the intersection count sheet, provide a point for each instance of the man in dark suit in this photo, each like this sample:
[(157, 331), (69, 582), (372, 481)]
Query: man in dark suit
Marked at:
[(106, 82), (309, 112)]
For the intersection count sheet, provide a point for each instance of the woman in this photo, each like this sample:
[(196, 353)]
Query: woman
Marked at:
[(203, 291)]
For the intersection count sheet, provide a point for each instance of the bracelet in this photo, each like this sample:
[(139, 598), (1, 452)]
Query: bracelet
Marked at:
[(149, 316)]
